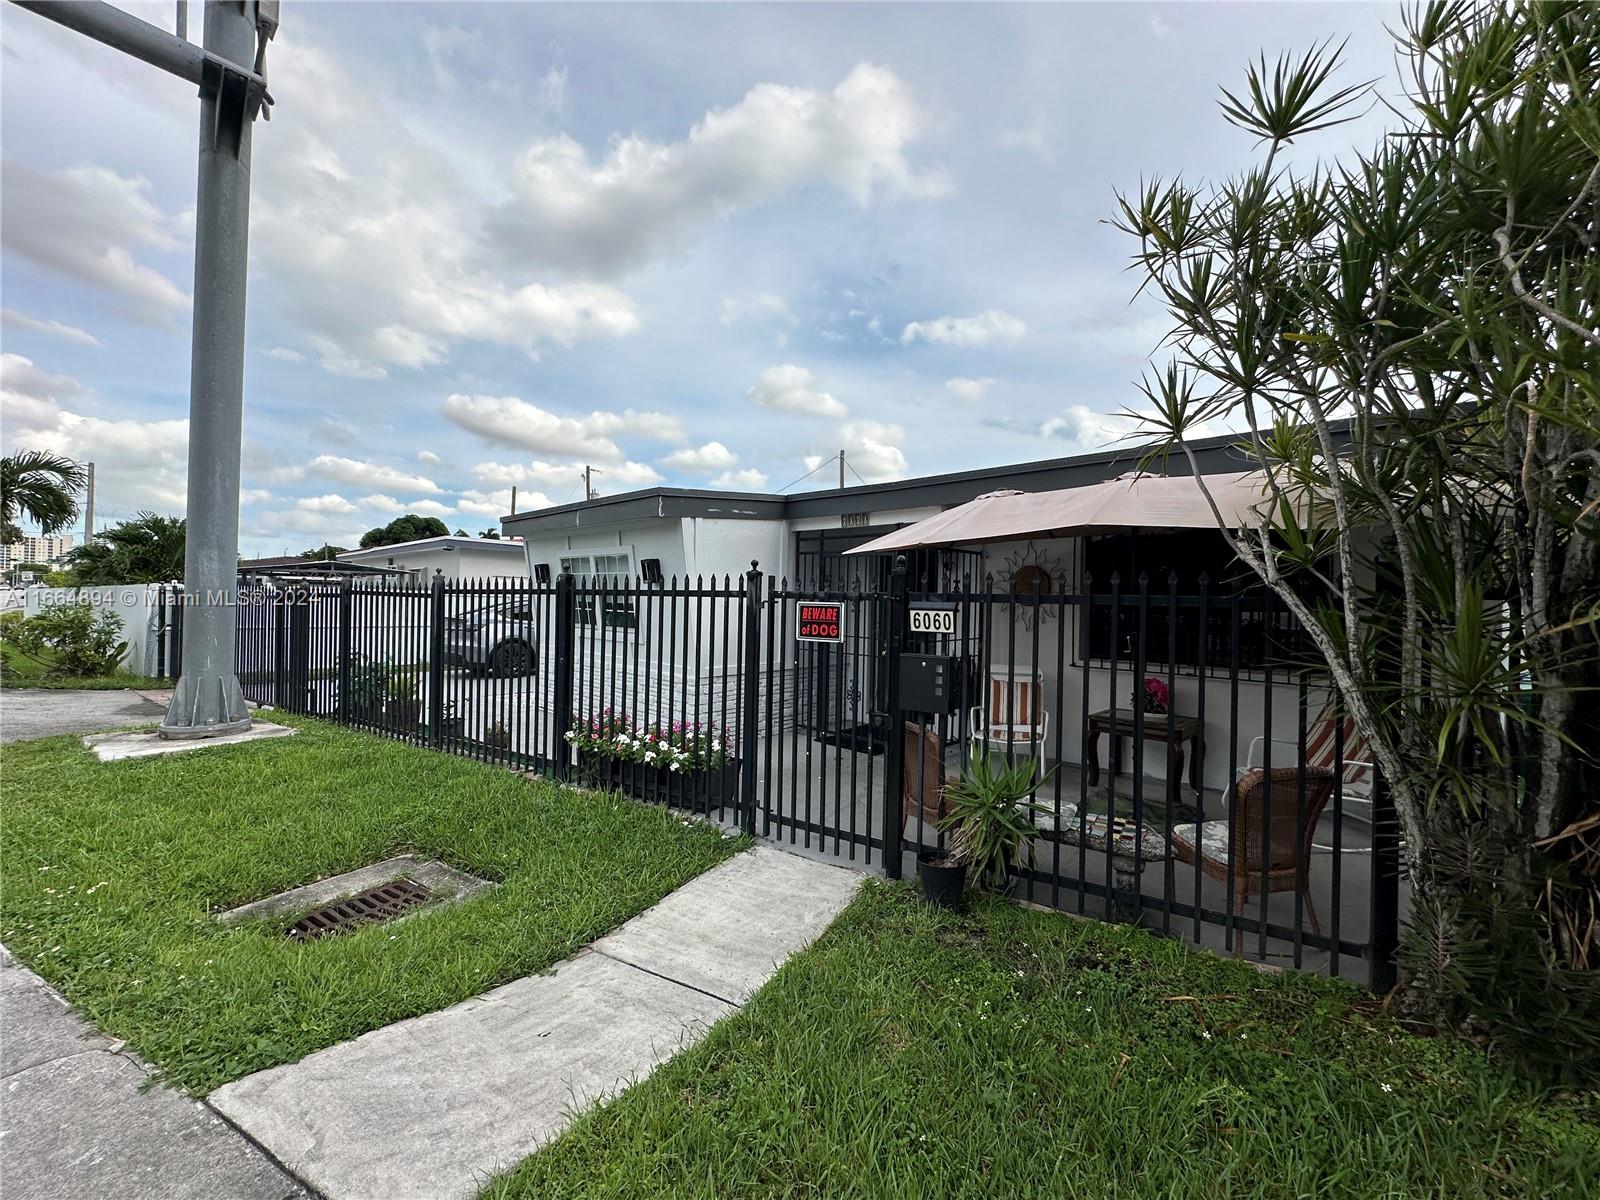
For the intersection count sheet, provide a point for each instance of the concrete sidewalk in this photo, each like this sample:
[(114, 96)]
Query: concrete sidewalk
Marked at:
[(431, 1107), (75, 1125), (42, 712)]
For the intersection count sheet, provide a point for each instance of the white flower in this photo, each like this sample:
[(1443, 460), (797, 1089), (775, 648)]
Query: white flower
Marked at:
[(677, 766), (1206, 1033), (1387, 1087)]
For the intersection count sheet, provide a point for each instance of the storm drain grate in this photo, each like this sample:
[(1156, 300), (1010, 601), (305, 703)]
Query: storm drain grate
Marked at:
[(382, 903)]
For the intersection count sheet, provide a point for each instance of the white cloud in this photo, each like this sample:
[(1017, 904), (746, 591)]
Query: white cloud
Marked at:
[(372, 241), (69, 333), (285, 354), (1083, 427), (562, 477), (429, 457), (968, 391), (1032, 139), (871, 449), (441, 43), (1158, 26), (324, 504), (364, 474), (702, 460), (254, 495), (488, 504), (658, 426), (768, 305), (644, 197), (989, 327), (553, 88), (31, 398), (793, 389), (747, 480), (81, 221), (428, 508), (336, 362), (378, 501), (513, 421), (338, 430), (138, 464)]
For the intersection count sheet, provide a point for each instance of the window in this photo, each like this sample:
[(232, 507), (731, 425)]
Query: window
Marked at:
[(597, 572), (1181, 635)]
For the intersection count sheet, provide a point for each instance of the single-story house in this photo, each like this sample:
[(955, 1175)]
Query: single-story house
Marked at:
[(660, 533), (456, 558)]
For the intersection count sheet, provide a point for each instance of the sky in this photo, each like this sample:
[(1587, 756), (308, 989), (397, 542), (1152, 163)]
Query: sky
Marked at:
[(697, 245)]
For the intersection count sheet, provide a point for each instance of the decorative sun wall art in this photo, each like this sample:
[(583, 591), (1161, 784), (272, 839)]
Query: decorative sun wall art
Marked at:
[(1027, 572)]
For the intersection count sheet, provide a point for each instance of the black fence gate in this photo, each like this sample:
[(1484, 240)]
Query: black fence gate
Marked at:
[(1193, 774)]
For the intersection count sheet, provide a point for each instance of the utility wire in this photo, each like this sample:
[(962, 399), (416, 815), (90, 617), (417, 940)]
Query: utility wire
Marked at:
[(827, 462)]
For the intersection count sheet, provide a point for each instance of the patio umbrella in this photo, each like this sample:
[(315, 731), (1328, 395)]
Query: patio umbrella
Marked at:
[(1125, 503)]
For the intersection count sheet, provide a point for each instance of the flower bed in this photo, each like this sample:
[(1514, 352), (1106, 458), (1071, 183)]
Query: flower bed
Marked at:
[(680, 764)]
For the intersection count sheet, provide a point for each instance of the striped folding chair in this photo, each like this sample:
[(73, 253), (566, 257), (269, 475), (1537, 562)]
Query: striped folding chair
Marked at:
[(1014, 719), (1322, 754)]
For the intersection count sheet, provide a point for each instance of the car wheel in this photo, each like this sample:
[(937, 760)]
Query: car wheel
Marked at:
[(512, 658)]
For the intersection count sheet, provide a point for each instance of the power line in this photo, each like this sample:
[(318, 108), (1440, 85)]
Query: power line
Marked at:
[(825, 462)]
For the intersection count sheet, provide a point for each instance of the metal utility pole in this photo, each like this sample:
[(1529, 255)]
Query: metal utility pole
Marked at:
[(88, 508), (841, 468), (207, 701), (513, 499), (588, 488)]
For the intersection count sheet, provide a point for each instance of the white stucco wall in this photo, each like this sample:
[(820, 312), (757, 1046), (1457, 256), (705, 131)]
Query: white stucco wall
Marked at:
[(136, 605), (1054, 662)]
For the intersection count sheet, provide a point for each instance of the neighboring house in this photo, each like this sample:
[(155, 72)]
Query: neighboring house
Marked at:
[(456, 558)]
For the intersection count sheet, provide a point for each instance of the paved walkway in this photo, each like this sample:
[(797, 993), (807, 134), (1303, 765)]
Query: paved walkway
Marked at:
[(75, 1125), (431, 1107), (42, 712)]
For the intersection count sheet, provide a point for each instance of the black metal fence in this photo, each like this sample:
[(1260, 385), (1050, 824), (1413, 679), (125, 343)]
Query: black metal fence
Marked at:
[(1240, 816)]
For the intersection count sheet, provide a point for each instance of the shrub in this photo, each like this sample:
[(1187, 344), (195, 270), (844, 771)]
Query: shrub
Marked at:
[(67, 639)]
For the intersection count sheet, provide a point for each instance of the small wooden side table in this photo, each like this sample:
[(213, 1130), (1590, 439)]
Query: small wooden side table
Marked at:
[(1117, 723)]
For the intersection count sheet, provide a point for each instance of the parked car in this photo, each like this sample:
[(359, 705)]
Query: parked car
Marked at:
[(500, 639)]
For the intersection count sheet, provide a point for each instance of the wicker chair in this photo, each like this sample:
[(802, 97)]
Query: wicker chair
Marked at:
[(926, 774), (1281, 865)]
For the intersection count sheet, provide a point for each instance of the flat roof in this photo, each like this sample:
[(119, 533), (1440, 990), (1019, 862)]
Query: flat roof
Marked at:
[(450, 542), (1214, 454)]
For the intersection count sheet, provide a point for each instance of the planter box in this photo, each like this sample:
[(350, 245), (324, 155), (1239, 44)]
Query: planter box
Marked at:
[(699, 790)]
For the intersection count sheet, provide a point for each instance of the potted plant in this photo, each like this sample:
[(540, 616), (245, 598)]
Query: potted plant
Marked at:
[(1157, 696), (402, 706), (367, 685), (452, 719), (989, 814)]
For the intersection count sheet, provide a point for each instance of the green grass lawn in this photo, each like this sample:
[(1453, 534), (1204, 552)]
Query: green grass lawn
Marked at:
[(19, 671), (1009, 1053), (112, 872)]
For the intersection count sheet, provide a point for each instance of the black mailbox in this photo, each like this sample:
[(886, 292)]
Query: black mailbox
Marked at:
[(930, 683)]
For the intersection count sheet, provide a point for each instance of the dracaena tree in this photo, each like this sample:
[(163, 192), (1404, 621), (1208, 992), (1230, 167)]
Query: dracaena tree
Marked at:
[(1410, 345)]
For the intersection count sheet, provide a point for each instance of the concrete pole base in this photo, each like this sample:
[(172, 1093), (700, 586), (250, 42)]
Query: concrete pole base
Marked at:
[(205, 707)]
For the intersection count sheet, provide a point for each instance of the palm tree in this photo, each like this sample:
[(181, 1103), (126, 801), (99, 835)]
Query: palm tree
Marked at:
[(42, 487), (147, 549)]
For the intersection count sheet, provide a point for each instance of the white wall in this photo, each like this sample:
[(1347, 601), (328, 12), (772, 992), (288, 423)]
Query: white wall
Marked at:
[(1062, 556), (721, 547), (136, 605)]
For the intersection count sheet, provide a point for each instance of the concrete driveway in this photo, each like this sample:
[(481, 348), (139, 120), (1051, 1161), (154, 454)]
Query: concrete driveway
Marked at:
[(33, 713)]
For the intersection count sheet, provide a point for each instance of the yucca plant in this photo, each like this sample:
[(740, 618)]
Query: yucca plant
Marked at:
[(989, 813)]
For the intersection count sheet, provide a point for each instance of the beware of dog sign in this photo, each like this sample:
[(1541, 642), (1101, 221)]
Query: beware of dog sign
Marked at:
[(816, 621)]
